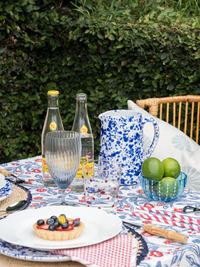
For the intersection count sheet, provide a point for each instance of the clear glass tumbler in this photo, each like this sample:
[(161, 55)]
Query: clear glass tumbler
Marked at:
[(63, 154), (101, 184)]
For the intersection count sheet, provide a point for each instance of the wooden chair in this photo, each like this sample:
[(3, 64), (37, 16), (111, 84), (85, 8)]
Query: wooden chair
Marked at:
[(166, 108)]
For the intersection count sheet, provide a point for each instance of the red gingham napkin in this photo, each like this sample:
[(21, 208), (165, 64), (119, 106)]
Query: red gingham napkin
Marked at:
[(119, 251)]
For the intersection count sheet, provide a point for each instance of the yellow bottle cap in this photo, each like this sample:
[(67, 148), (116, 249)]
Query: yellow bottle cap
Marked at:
[(53, 92)]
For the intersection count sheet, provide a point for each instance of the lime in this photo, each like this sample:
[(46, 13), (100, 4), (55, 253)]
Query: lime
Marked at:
[(152, 168), (167, 187), (171, 167)]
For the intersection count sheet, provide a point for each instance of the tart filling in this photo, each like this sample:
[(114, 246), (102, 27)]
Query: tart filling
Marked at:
[(58, 229)]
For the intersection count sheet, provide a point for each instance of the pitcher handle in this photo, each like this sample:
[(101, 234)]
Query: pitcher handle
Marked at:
[(156, 136)]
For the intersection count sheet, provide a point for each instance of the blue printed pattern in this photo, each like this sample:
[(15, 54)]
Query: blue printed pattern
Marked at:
[(30, 254), (6, 190), (180, 142), (162, 252), (122, 140)]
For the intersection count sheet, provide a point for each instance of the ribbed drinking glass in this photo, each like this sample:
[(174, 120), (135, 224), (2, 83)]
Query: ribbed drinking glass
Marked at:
[(63, 154)]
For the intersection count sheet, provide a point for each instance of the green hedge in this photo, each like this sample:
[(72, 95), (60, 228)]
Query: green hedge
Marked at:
[(110, 56)]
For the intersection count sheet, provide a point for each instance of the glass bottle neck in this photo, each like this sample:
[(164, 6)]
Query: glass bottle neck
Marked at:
[(53, 101), (81, 106)]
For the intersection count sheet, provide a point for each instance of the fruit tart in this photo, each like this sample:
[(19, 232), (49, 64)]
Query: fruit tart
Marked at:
[(58, 228)]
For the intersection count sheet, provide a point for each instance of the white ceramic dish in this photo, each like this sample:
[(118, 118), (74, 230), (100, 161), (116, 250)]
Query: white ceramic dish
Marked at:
[(99, 226), (2, 180)]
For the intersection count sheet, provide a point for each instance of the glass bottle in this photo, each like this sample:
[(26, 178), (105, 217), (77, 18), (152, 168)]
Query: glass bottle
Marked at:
[(52, 122), (81, 125)]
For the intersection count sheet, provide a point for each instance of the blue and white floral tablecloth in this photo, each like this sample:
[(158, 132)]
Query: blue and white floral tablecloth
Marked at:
[(162, 252)]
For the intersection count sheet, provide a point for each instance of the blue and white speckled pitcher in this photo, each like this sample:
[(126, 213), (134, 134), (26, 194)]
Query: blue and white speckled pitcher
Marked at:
[(122, 140)]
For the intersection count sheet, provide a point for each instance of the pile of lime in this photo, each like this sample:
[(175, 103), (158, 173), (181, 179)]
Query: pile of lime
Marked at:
[(166, 172)]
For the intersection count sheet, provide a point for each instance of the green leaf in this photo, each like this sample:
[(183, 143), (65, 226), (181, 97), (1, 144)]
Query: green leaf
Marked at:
[(163, 55), (100, 36), (108, 75), (25, 56), (2, 17), (90, 46), (97, 66), (17, 17), (180, 86), (28, 75), (25, 3), (120, 46), (111, 37), (25, 94), (36, 8), (2, 50), (143, 70), (154, 83), (100, 81), (25, 139), (94, 58), (157, 76), (170, 87), (29, 8), (71, 62), (18, 9)]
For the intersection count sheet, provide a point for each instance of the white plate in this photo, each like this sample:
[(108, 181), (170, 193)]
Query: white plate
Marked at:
[(99, 226), (6, 190), (2, 180)]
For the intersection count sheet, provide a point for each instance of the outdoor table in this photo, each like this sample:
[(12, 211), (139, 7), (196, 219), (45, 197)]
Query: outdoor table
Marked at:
[(162, 252)]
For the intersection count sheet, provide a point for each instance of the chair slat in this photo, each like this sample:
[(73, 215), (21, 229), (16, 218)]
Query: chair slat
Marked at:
[(197, 130), (161, 106), (174, 114), (179, 115), (192, 120), (167, 114), (186, 117)]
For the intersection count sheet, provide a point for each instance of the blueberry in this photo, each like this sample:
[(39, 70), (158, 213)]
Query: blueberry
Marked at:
[(65, 225), (76, 223), (52, 227), (40, 222), (63, 215), (54, 217), (50, 221), (56, 224)]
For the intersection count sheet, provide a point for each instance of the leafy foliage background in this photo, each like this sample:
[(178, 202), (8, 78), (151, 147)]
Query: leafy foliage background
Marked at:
[(112, 52)]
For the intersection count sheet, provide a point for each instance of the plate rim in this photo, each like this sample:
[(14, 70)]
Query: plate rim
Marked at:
[(46, 258), (4, 180), (9, 191), (64, 246)]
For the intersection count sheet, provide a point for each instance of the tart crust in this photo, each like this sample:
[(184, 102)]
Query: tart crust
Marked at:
[(59, 235)]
